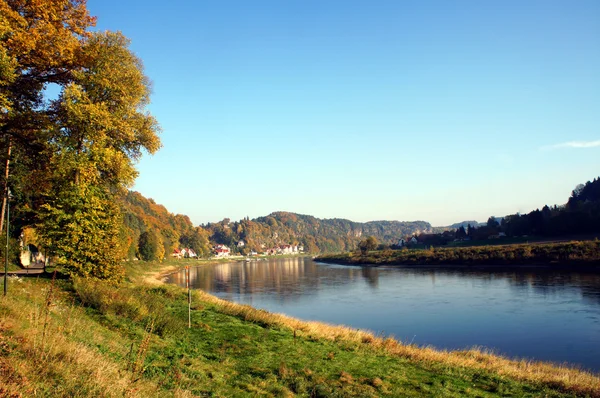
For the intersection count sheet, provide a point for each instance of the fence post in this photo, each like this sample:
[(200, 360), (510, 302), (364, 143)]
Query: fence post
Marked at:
[(187, 278)]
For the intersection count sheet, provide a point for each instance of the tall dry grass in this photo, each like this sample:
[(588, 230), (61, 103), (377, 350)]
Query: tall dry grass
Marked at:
[(46, 350)]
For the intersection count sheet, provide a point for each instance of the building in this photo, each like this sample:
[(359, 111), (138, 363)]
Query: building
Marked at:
[(222, 251)]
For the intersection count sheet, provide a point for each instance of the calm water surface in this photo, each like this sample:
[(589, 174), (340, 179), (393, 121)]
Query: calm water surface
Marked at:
[(545, 315)]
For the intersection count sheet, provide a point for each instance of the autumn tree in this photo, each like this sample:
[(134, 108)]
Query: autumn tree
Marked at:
[(79, 226), (368, 244), (197, 239), (39, 47), (86, 140)]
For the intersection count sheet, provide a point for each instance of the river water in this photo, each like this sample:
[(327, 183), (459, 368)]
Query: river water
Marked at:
[(538, 314)]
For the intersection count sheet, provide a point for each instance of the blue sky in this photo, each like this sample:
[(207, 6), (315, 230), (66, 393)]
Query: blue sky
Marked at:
[(367, 110)]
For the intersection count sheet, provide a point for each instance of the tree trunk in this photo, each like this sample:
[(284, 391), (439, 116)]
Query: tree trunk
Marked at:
[(4, 195)]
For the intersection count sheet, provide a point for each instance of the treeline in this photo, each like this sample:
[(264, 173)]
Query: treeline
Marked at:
[(565, 254), (580, 215), (314, 234)]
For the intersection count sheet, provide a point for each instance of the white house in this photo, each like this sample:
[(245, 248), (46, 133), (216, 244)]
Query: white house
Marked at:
[(222, 251), (177, 254), (241, 244), (401, 242), (188, 253), (286, 249)]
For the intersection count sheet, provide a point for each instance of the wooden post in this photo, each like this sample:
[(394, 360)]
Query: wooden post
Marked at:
[(7, 240), (187, 278), (5, 196)]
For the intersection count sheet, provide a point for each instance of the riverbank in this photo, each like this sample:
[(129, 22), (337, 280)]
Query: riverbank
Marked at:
[(85, 338), (571, 255)]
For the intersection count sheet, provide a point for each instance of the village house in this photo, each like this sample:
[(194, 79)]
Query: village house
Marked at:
[(286, 249), (176, 254), (222, 251), (188, 253), (271, 252)]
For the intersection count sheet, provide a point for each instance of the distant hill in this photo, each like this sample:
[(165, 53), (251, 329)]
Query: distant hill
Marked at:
[(316, 235), (580, 215)]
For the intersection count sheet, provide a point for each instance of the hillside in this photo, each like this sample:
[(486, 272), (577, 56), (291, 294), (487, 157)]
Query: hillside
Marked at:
[(314, 234), (142, 215), (170, 231)]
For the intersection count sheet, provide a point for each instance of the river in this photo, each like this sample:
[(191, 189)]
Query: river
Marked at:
[(538, 314)]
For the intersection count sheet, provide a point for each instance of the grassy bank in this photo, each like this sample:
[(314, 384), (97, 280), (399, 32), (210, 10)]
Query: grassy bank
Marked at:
[(570, 254), (84, 338)]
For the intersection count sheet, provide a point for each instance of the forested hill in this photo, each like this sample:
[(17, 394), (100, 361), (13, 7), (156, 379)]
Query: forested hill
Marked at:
[(150, 231), (316, 235)]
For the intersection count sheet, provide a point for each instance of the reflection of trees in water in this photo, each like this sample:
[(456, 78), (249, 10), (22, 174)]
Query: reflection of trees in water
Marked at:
[(286, 278), (543, 281), (552, 283), (294, 277), (371, 275)]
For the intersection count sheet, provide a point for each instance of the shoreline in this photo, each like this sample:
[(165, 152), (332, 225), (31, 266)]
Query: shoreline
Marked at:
[(474, 267), (562, 256), (481, 356)]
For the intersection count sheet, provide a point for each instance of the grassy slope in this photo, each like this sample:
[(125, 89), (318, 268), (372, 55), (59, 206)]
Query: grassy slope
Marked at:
[(87, 339), (562, 253)]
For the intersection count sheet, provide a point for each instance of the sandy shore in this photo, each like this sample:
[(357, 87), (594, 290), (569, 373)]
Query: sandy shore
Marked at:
[(158, 277)]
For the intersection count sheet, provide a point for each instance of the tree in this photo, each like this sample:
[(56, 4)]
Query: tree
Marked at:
[(39, 46), (368, 244), (80, 225), (150, 246), (197, 240), (100, 126), (87, 140), (492, 222)]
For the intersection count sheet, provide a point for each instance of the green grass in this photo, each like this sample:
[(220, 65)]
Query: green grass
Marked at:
[(83, 338)]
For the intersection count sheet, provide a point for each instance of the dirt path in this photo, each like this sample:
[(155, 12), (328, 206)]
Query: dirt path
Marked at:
[(34, 269)]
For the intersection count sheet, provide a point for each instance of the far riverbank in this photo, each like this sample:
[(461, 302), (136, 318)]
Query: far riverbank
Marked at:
[(569, 255)]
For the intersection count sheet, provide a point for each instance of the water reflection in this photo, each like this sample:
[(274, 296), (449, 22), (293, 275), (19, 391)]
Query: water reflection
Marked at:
[(542, 314)]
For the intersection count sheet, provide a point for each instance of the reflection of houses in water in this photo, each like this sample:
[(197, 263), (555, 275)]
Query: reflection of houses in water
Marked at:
[(222, 272), (286, 278)]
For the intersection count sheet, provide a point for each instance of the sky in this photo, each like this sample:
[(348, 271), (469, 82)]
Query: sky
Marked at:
[(440, 111)]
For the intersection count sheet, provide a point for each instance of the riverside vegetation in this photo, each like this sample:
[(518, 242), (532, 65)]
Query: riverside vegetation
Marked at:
[(567, 254), (84, 337)]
